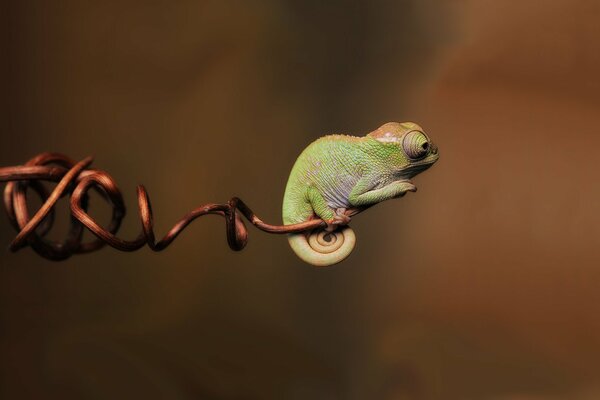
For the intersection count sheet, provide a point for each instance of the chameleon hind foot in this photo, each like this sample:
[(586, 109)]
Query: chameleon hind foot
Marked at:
[(341, 218)]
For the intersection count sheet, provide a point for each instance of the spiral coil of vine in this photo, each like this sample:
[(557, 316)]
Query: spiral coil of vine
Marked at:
[(75, 179)]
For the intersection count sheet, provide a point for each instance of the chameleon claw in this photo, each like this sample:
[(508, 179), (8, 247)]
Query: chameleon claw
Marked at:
[(342, 214)]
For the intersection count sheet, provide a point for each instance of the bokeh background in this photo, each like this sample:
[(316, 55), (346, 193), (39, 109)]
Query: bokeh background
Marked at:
[(483, 285)]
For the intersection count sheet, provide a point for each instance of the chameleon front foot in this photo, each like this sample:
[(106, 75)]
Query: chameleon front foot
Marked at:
[(405, 186)]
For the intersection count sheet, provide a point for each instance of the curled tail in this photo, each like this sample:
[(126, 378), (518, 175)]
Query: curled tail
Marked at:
[(321, 248)]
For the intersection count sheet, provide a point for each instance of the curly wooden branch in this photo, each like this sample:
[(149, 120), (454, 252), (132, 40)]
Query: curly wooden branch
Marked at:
[(75, 180)]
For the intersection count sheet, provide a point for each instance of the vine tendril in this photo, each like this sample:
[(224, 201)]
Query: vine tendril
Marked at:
[(75, 180)]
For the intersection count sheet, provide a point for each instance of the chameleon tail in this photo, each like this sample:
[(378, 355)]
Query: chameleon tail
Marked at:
[(321, 248)]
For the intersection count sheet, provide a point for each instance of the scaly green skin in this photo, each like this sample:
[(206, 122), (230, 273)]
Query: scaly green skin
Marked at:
[(338, 172)]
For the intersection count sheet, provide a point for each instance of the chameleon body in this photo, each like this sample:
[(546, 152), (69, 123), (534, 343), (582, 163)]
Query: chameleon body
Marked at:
[(338, 176)]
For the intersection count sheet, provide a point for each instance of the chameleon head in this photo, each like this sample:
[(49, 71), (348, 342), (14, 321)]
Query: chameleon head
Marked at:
[(410, 149)]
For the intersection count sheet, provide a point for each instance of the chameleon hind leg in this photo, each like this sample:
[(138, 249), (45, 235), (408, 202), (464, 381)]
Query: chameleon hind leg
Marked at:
[(323, 247)]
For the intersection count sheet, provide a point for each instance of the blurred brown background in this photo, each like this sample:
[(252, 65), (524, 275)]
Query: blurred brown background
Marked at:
[(483, 285)]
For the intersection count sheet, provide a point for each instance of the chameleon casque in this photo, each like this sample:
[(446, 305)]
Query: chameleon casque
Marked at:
[(338, 176)]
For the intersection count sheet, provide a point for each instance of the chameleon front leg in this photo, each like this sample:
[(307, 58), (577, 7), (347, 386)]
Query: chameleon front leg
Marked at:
[(360, 198), (333, 217)]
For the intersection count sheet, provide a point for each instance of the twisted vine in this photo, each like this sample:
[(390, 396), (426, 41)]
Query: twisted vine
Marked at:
[(75, 180)]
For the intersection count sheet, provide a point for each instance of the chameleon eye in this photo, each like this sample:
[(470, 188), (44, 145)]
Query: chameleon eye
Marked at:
[(415, 144)]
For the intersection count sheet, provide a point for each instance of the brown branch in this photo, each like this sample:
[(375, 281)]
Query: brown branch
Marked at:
[(75, 180)]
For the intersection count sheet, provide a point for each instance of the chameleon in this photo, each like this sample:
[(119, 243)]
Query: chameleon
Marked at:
[(338, 176)]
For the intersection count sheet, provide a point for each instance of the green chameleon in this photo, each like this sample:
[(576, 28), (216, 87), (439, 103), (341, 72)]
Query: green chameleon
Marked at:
[(338, 176)]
